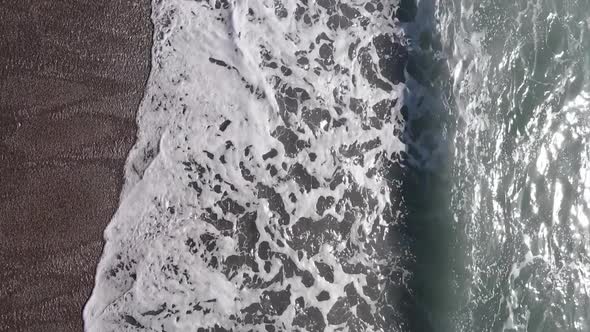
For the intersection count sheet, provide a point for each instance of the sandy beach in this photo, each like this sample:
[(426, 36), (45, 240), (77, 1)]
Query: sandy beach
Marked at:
[(72, 75)]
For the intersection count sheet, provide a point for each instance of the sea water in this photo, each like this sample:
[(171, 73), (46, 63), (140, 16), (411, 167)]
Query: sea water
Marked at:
[(356, 165), (521, 177)]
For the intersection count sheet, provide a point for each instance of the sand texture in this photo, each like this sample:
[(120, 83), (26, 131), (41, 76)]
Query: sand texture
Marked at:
[(72, 74)]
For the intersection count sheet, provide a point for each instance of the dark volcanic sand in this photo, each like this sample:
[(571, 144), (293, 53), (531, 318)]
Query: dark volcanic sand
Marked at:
[(72, 75)]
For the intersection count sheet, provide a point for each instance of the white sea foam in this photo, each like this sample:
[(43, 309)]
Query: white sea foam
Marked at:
[(259, 178)]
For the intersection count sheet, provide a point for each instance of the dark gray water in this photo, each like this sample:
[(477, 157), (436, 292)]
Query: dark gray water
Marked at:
[(519, 96)]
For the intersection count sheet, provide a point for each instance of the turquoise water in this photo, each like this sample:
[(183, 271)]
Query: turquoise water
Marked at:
[(519, 97)]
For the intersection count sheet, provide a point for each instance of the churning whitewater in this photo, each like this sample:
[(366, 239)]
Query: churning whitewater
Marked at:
[(264, 190)]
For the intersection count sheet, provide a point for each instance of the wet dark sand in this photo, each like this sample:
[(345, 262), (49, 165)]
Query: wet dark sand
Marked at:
[(72, 75)]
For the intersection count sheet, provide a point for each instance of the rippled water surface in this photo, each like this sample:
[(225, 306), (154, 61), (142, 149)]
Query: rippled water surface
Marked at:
[(520, 99)]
